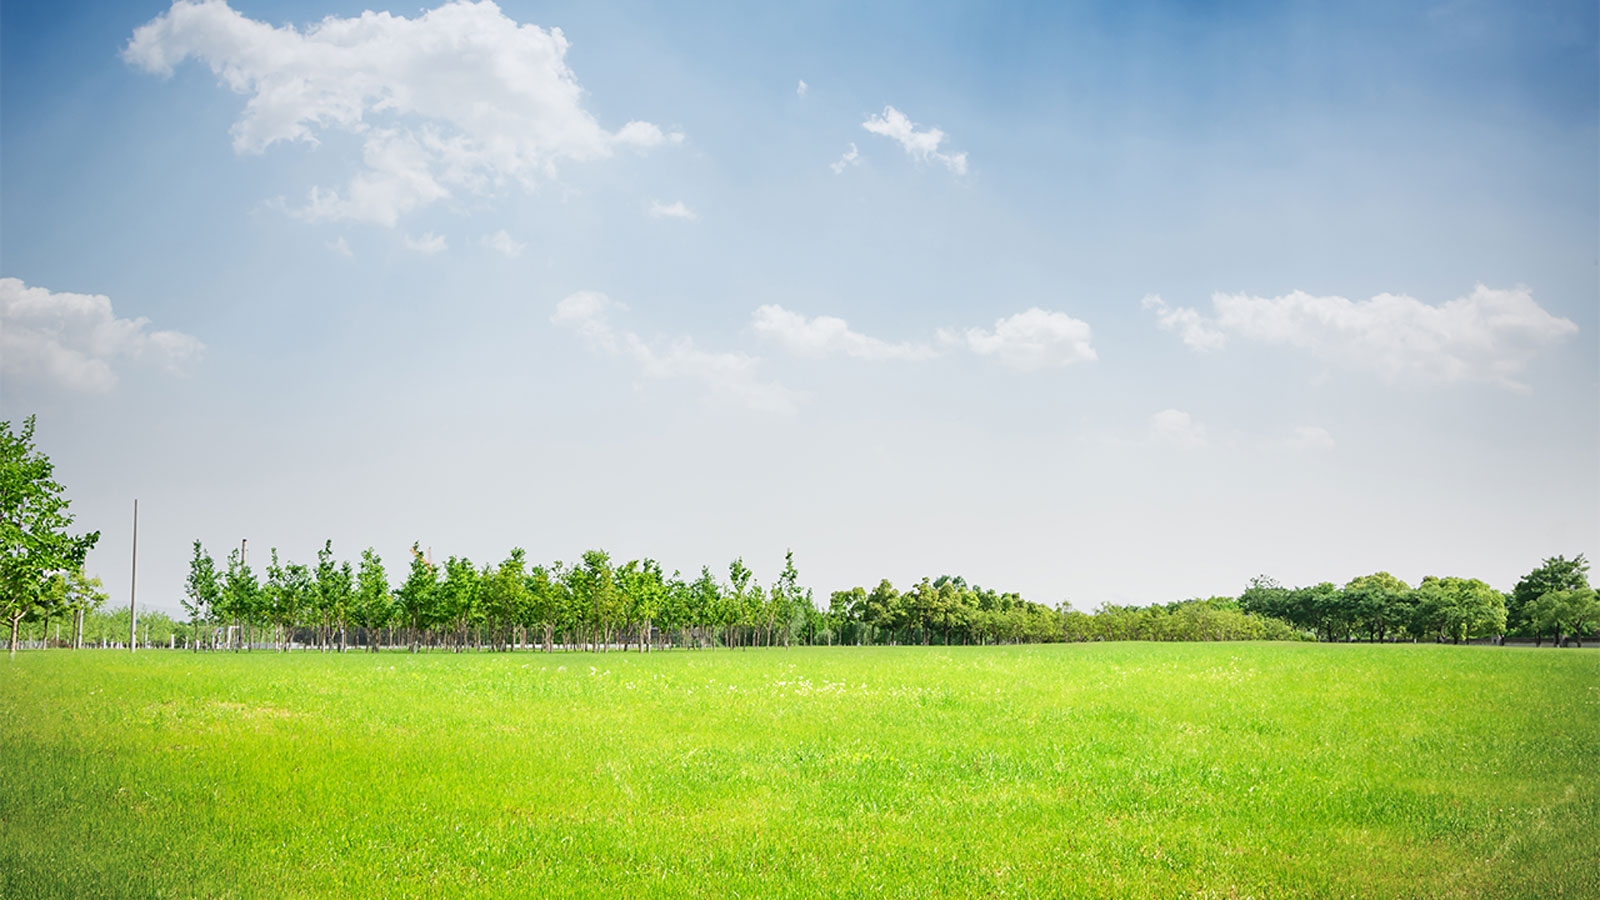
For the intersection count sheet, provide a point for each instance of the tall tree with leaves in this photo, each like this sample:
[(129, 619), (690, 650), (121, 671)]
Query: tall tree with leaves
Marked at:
[(34, 543), (1555, 574), (241, 597), (83, 596), (415, 598), (372, 607), (202, 591), (334, 590)]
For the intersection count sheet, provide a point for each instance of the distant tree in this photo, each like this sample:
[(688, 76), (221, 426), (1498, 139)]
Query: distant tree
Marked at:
[(1266, 597), (241, 596), (1379, 603), (202, 591), (334, 590), (1457, 609), (644, 590), (844, 612), (457, 599), (1572, 612), (82, 595), (505, 597), (1555, 574), (373, 606), (883, 608), (34, 543), (414, 599)]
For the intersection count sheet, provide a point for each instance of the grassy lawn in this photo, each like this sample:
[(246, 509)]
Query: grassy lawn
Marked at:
[(1104, 770)]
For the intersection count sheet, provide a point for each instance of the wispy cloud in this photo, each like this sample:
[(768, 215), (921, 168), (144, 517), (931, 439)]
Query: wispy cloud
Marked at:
[(851, 157), (824, 336), (676, 210), (1197, 334), (923, 146), (1174, 426), (398, 84), (428, 244), (342, 247), (724, 377), (801, 90), (1487, 336), (503, 244), (72, 340)]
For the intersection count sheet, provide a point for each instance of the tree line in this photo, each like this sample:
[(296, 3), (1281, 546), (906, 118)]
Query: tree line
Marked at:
[(594, 603), (1554, 602)]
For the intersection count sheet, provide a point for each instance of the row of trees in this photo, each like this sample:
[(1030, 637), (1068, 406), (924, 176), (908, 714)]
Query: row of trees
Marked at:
[(1210, 619), (103, 627), (1552, 601), (601, 604), (594, 603)]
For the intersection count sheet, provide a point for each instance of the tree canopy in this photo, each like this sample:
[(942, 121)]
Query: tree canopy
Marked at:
[(35, 546)]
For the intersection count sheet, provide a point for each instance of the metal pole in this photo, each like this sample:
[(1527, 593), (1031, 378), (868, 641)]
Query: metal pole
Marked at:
[(133, 584)]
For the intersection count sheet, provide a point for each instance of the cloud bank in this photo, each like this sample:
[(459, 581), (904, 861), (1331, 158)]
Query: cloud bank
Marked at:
[(460, 99), (1487, 336), (72, 340)]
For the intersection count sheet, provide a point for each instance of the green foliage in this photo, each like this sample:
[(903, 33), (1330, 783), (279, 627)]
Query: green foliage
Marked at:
[(1556, 573), (1574, 611), (1212, 619), (36, 551)]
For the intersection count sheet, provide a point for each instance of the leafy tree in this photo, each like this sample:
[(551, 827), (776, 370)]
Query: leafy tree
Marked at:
[(202, 590), (457, 599), (1572, 611), (1379, 603), (883, 608), (241, 595), (1555, 574), (82, 596), (34, 543), (644, 591), (1457, 609), (334, 590), (373, 607), (415, 598)]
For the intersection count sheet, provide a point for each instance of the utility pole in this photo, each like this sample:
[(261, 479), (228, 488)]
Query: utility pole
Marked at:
[(133, 584)]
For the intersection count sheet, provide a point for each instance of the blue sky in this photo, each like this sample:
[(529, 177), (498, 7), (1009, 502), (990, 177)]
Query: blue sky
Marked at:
[(1137, 301)]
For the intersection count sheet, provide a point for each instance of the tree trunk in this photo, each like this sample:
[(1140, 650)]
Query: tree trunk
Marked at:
[(16, 622)]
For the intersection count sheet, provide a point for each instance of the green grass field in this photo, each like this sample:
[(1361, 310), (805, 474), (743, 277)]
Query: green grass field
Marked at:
[(1105, 770)]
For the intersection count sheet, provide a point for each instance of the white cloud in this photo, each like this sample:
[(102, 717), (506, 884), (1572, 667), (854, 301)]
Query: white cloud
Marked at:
[(1188, 322), (1030, 340), (461, 98), (923, 146), (73, 339), (503, 244), (428, 244), (729, 377), (829, 336), (851, 157), (1310, 437), (659, 210), (801, 90), (1487, 336), (1174, 426), (341, 246)]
